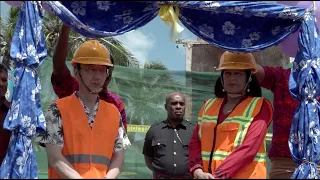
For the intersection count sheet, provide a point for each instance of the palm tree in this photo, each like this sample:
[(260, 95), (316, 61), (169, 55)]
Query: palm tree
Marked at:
[(51, 29), (7, 27), (159, 65), (52, 25), (123, 57)]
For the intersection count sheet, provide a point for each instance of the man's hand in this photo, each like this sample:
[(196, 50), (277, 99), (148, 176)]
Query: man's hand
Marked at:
[(148, 161), (60, 164), (116, 165), (199, 174)]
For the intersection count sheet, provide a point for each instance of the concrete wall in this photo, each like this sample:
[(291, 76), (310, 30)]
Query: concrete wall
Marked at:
[(205, 57)]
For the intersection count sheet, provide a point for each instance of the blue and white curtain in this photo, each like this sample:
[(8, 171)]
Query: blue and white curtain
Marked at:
[(304, 84), (227, 24), (98, 19), (25, 117)]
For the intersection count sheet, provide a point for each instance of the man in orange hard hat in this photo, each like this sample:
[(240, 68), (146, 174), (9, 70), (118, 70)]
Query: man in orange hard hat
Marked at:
[(83, 133), (64, 84)]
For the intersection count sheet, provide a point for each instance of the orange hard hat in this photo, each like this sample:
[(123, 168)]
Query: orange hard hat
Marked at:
[(237, 61), (92, 52)]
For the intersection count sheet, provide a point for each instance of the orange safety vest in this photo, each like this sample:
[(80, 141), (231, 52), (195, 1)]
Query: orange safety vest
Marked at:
[(88, 150), (229, 135)]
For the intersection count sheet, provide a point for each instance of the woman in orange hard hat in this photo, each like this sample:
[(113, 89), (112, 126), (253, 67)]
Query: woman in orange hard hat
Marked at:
[(89, 129), (229, 140)]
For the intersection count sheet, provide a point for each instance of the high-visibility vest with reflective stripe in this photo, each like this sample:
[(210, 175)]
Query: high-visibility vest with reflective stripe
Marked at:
[(88, 150), (230, 134)]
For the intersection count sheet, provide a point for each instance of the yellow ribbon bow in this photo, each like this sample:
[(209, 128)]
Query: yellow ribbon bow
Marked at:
[(169, 15)]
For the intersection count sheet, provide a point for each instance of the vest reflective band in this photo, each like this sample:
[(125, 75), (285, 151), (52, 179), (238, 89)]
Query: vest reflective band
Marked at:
[(204, 118), (230, 134), (89, 150), (85, 158)]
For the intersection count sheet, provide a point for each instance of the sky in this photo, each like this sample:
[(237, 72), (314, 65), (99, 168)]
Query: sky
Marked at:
[(150, 42)]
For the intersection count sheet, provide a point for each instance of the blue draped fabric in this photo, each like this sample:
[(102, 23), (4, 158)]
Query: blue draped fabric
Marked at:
[(97, 19), (25, 116), (304, 85), (233, 25), (242, 26)]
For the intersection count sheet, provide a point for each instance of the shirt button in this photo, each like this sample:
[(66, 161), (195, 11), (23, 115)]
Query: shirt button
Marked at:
[(174, 153), (174, 141), (174, 165)]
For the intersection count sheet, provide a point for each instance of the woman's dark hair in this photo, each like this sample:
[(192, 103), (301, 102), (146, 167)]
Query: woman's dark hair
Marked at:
[(255, 89)]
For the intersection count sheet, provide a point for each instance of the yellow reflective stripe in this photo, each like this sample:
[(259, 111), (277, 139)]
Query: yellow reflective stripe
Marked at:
[(260, 157), (85, 158), (238, 119), (217, 155), (221, 155), (245, 122), (200, 129), (249, 110), (205, 118), (206, 107), (205, 155), (205, 152), (239, 136), (208, 104)]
